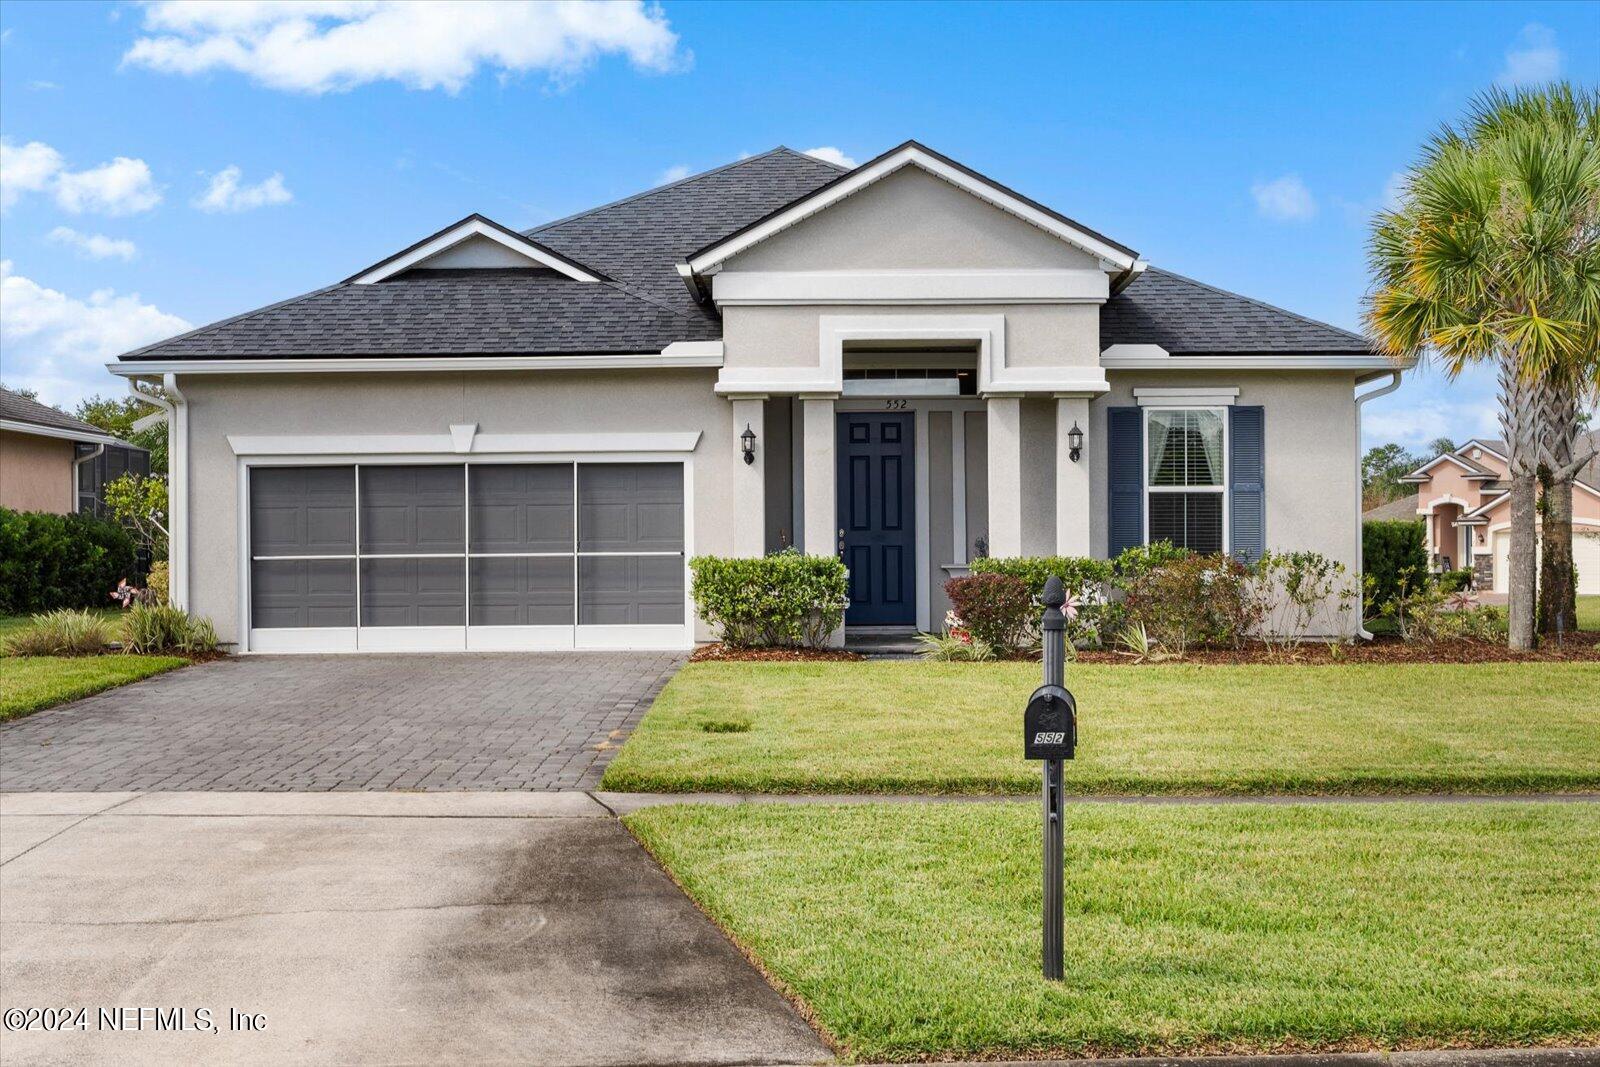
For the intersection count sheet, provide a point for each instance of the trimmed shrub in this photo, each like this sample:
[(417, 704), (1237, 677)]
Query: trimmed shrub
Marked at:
[(1141, 559), (148, 629), (1193, 600), (784, 599), (1092, 616), (1455, 581), (60, 561), (996, 609), (61, 633), (1391, 549), (158, 582)]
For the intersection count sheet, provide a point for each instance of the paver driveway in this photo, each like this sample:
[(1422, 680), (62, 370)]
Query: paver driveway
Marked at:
[(293, 723)]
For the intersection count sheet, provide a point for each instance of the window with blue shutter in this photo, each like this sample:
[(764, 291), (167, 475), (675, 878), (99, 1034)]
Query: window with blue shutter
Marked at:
[(1247, 470), (1124, 478)]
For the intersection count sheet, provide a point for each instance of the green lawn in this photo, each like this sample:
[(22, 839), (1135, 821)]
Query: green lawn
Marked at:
[(913, 930), (956, 728), (32, 683), (1589, 613)]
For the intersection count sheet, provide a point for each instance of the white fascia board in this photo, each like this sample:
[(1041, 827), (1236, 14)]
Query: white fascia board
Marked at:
[(447, 444), (859, 179), (1122, 357), (61, 433), (1197, 396), (736, 288), (455, 235), (1478, 442), (671, 357), (1422, 471)]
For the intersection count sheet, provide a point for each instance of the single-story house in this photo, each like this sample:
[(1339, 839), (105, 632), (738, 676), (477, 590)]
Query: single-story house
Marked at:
[(495, 439), (1462, 498), (50, 461)]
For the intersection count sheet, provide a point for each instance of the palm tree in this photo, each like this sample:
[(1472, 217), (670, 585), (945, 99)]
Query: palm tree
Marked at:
[(1479, 264), (1572, 115)]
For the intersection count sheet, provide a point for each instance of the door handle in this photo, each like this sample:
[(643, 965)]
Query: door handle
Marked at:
[(841, 540)]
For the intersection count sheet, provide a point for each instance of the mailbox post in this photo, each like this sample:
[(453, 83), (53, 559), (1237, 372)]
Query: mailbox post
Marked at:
[(1050, 734)]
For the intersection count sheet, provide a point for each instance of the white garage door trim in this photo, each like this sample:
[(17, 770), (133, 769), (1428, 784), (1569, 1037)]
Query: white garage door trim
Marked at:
[(466, 638)]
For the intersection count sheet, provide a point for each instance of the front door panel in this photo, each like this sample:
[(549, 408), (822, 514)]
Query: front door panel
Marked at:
[(877, 518)]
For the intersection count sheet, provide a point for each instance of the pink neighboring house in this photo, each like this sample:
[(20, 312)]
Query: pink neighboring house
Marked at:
[(1461, 496)]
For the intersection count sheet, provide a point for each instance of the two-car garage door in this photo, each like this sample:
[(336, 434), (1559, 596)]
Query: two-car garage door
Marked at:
[(390, 557), (1585, 558)]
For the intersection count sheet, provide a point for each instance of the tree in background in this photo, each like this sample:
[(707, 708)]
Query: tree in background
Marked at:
[(141, 503), (1490, 258), (1381, 470), (116, 416), (30, 394), (1439, 446), (1570, 118)]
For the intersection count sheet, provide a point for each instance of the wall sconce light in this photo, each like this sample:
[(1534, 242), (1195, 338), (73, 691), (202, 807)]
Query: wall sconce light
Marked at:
[(747, 441), (1074, 443)]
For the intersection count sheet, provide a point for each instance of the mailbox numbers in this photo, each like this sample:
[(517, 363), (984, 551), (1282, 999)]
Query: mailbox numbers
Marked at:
[(1055, 738)]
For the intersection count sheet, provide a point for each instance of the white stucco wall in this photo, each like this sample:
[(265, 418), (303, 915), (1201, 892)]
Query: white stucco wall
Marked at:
[(513, 402)]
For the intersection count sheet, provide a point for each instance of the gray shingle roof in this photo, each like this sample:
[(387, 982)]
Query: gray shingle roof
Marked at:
[(1404, 508), (1187, 317), (643, 306), (18, 408)]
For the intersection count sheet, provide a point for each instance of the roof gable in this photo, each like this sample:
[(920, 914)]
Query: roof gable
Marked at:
[(911, 154), (509, 246)]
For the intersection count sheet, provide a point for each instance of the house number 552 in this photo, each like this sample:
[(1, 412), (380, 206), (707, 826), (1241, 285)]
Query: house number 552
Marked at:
[(894, 405)]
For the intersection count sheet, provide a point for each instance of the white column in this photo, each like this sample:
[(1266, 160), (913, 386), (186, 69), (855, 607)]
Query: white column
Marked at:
[(1005, 475), (750, 481), (822, 532), (1072, 479)]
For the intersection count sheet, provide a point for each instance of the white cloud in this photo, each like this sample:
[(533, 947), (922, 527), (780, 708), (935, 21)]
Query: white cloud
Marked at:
[(94, 246), (1284, 199), (122, 187), (59, 345), (675, 173), (1533, 59), (832, 155), (28, 168), (42, 86), (226, 194), (1394, 190), (320, 46), (1429, 404)]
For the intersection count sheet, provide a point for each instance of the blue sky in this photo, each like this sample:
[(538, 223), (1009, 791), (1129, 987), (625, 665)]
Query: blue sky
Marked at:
[(171, 164)]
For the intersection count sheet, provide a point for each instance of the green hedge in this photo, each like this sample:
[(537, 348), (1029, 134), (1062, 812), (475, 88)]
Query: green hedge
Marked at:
[(783, 599), (1390, 548), (60, 561), (1095, 617)]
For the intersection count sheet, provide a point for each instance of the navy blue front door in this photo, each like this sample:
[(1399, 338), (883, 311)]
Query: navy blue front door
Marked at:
[(877, 519)]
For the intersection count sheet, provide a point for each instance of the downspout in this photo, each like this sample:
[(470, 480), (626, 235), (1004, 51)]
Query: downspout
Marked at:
[(1361, 568), (77, 476), (176, 406)]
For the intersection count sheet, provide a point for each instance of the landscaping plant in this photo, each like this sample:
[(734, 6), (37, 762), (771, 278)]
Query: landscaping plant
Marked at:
[(149, 629), (1292, 587), (59, 561), (1390, 548), (781, 600), (1089, 583), (61, 633), (997, 609), (1194, 600)]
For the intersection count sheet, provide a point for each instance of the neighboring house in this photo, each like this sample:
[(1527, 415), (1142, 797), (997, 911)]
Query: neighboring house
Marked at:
[(494, 439), (50, 461), (1462, 498)]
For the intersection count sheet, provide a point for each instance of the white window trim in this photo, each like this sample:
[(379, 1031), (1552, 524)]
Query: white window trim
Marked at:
[(676, 636), (1224, 490)]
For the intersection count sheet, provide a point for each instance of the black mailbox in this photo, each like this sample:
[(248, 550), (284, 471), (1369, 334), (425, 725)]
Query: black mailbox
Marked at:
[(1050, 724)]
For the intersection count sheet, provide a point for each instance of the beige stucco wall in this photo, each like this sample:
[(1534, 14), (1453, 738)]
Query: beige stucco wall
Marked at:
[(1037, 335), (1310, 445), (35, 473), (911, 220), (513, 402)]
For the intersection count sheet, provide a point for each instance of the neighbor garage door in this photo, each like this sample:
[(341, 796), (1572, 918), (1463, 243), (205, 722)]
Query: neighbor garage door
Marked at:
[(399, 557), (1585, 558)]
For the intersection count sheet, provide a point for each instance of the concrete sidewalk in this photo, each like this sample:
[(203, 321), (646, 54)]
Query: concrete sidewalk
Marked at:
[(366, 928)]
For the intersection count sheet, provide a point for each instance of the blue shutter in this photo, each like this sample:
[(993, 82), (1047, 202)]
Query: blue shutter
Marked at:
[(1124, 478), (1247, 470)]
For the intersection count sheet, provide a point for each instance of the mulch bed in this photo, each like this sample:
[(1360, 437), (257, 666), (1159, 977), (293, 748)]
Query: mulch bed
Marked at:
[(1576, 648), (1581, 647), (721, 652)]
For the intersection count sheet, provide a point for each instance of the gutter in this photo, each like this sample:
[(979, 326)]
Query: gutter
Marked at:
[(176, 405), (77, 481), (1361, 569)]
